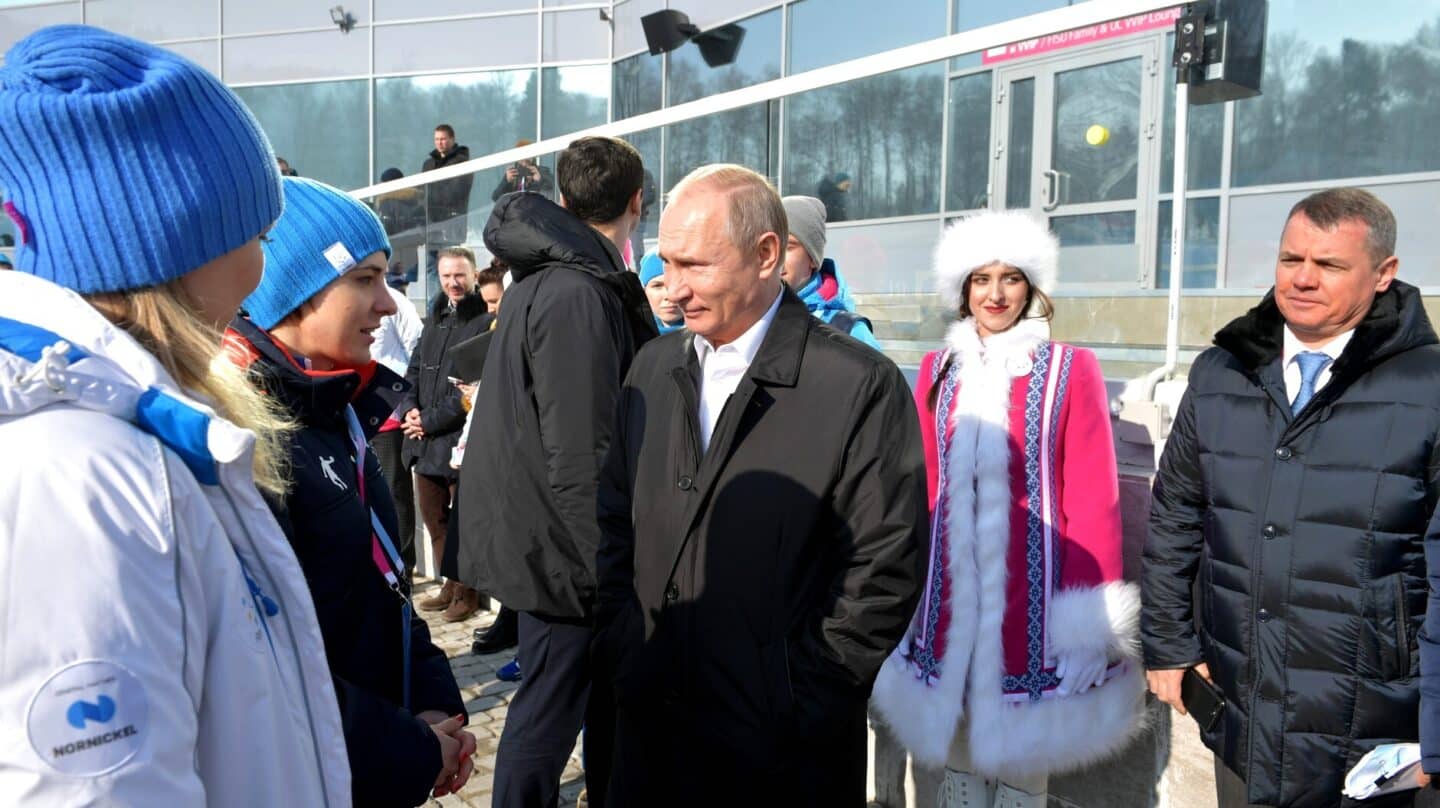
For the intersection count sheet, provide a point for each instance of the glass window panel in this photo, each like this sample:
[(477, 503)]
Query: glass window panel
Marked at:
[(891, 257), (825, 32), (574, 35), (573, 98), (1020, 148), (252, 16), (648, 144), (206, 54), (970, 14), (1206, 144), (1349, 90), (637, 86), (629, 35), (458, 44), (490, 111), (293, 115), (1097, 248), (567, 2), (1108, 96), (741, 136), (757, 60), (1255, 223), (1202, 244), (711, 13), (292, 57), (140, 19), (970, 104), (407, 10), (881, 134), (18, 23)]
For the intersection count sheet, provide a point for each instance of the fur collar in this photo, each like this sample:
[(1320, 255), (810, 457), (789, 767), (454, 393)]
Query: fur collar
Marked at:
[(1396, 323), (1020, 342), (472, 305)]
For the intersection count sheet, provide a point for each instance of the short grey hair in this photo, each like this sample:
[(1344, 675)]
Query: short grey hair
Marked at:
[(755, 207), (1328, 208)]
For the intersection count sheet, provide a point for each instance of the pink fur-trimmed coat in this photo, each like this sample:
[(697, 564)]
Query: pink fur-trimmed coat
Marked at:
[(1025, 563)]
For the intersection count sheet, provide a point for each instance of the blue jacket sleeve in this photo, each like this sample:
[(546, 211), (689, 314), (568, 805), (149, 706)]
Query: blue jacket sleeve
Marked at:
[(862, 332)]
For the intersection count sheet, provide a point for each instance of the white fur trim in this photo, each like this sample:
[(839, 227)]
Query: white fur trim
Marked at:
[(924, 717), (1018, 739), (1058, 733), (1103, 618), (1009, 237)]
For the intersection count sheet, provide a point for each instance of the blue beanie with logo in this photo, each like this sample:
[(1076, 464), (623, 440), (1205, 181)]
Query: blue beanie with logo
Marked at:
[(651, 267), (323, 234), (124, 165)]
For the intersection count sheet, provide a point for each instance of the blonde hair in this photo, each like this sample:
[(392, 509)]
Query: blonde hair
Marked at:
[(163, 320), (755, 207)]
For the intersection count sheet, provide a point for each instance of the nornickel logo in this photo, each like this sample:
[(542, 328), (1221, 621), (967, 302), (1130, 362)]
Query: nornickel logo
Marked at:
[(81, 711)]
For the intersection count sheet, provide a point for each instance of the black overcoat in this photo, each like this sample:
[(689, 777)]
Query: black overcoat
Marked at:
[(431, 367), (749, 593), (1307, 537)]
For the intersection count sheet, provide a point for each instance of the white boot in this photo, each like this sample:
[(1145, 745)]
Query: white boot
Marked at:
[(963, 790), (1007, 796)]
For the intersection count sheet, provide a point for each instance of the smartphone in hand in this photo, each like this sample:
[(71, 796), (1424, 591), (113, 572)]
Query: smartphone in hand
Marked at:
[(1202, 699)]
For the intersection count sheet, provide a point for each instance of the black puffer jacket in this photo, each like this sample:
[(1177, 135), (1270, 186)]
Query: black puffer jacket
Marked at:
[(1306, 535), (394, 757), (429, 375), (574, 319)]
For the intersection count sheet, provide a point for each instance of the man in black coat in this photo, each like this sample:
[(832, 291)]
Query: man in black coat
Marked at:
[(574, 318), (763, 526), (1296, 486), (447, 202), (434, 416)]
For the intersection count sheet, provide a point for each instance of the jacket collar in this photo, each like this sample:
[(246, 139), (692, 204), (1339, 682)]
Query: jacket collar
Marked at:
[(1395, 323), (531, 233), (315, 396), (778, 360), (104, 369), (470, 306)]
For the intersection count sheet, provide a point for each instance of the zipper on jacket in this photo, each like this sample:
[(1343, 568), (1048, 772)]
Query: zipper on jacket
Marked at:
[(1402, 628), (299, 665)]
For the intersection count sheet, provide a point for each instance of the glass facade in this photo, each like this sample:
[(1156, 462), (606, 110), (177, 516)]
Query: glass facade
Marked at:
[(318, 128), (1082, 136)]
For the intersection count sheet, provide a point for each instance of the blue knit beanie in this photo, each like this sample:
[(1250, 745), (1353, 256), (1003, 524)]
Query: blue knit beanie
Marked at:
[(124, 165), (323, 234), (651, 267)]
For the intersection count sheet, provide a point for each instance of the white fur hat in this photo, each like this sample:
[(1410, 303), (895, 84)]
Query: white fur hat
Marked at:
[(1011, 237)]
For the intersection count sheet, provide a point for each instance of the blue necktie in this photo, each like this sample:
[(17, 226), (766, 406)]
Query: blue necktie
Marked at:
[(1311, 363)]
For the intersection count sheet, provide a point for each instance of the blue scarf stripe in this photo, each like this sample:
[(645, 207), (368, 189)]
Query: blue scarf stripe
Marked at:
[(179, 426)]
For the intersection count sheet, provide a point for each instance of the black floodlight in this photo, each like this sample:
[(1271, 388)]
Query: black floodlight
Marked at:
[(667, 30), (719, 46)]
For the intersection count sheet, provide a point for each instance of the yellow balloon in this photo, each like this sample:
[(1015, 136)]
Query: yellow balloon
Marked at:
[(1097, 135)]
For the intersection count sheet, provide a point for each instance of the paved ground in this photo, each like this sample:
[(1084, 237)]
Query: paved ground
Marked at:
[(487, 700)]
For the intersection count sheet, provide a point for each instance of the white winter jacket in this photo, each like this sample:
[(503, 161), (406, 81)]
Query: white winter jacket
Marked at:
[(158, 644)]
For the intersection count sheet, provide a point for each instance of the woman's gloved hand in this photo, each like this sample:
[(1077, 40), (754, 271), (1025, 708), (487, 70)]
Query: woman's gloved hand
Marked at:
[(1079, 671)]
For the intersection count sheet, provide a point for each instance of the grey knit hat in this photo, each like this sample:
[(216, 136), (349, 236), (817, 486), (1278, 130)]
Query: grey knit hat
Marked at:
[(807, 224)]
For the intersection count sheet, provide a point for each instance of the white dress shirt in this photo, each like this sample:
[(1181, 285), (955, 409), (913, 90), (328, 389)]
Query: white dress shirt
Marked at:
[(721, 369), (397, 335), (1293, 346)]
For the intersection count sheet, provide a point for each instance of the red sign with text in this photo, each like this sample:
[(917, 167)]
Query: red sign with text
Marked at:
[(1088, 35)]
